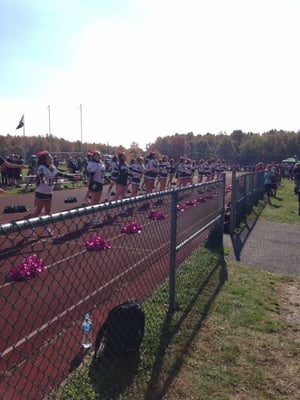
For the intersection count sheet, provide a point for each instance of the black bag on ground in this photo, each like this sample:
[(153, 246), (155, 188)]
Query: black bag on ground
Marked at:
[(122, 332)]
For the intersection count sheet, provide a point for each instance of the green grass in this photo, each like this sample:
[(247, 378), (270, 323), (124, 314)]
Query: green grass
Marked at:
[(284, 207), (228, 336), (233, 335)]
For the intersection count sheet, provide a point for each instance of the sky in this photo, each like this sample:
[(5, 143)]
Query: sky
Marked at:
[(123, 71)]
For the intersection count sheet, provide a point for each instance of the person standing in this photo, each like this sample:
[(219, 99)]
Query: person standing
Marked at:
[(137, 171), (122, 180), (171, 173), (269, 177), (114, 174), (96, 171), (164, 167), (151, 172), (201, 170), (296, 177), (46, 178), (181, 168)]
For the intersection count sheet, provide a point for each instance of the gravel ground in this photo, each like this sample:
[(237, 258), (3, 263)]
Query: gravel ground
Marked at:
[(270, 245)]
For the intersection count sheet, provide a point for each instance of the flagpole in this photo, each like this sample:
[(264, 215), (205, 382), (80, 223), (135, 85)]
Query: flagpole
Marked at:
[(24, 142), (50, 144), (80, 109)]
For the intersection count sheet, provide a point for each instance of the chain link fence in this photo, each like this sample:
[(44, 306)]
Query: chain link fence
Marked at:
[(56, 268), (247, 190)]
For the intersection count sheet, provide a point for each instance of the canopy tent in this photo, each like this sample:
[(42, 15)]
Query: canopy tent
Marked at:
[(290, 160)]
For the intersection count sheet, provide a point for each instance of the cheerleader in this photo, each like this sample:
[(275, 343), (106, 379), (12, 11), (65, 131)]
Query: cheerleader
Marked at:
[(164, 167), (151, 172), (189, 172), (121, 182), (171, 173), (129, 177), (96, 170), (46, 178), (207, 169), (201, 170), (137, 170), (213, 168), (218, 169), (223, 166), (181, 169), (114, 174)]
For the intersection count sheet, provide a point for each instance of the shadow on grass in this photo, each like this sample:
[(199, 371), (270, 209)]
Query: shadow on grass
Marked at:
[(239, 239), (161, 378), (110, 376)]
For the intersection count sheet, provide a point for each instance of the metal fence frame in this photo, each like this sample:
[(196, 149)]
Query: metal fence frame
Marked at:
[(247, 190), (202, 229)]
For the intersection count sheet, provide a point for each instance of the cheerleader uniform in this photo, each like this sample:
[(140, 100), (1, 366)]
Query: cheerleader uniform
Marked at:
[(136, 171), (114, 170), (201, 169), (152, 169), (123, 173), (181, 168), (96, 172), (189, 171), (46, 181), (164, 169)]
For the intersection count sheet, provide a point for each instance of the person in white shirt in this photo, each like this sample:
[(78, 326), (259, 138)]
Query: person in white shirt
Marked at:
[(137, 170), (96, 170), (46, 178)]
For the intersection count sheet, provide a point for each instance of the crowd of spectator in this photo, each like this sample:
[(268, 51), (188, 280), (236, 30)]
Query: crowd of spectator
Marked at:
[(11, 170), (147, 172)]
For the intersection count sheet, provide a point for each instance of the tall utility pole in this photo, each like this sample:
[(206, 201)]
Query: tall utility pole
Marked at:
[(80, 109), (50, 139)]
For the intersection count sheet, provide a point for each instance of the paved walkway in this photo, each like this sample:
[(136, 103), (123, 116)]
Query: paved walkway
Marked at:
[(269, 245)]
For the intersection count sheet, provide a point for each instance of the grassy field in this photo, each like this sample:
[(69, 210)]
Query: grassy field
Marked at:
[(284, 207), (234, 334)]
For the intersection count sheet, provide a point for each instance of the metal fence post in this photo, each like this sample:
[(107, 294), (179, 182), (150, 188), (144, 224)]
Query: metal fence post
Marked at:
[(173, 237), (233, 202), (223, 206)]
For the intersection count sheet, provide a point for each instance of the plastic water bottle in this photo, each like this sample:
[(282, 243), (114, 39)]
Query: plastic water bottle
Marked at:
[(87, 331)]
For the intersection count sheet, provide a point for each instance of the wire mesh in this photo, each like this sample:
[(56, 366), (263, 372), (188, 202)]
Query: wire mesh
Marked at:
[(56, 268)]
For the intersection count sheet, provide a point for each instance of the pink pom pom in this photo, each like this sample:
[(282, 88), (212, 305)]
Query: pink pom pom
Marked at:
[(96, 243), (30, 268), (156, 215), (191, 203), (132, 227), (200, 199), (180, 207)]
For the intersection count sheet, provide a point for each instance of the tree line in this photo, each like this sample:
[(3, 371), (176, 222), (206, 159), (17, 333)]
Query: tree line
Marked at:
[(236, 148)]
